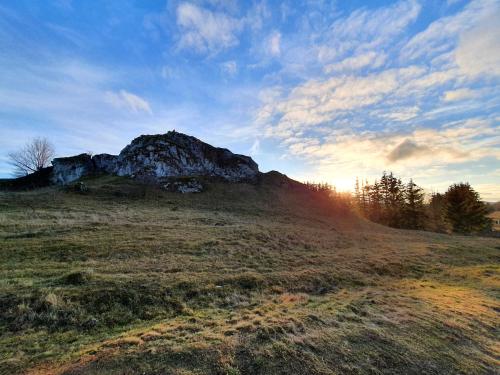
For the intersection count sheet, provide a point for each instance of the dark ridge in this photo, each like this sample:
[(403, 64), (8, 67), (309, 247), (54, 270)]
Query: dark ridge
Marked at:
[(34, 180)]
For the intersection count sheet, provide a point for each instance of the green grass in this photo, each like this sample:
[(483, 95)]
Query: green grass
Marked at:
[(240, 279)]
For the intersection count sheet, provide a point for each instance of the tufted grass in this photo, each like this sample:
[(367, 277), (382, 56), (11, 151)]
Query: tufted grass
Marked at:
[(240, 279)]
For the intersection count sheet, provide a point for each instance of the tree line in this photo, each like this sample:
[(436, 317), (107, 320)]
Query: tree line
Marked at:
[(391, 202)]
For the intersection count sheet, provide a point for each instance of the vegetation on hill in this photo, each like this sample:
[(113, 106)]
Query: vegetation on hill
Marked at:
[(271, 278), (390, 202)]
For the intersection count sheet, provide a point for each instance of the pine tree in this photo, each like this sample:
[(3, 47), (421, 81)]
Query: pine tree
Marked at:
[(464, 209), (357, 194), (437, 214), (375, 212), (414, 210)]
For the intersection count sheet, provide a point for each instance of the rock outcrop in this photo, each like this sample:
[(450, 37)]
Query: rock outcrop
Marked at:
[(67, 170), (160, 158)]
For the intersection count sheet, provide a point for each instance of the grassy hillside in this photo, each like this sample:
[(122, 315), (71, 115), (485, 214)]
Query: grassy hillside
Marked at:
[(240, 279)]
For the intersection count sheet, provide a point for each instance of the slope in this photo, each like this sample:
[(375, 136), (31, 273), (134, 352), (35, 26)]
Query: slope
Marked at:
[(241, 279)]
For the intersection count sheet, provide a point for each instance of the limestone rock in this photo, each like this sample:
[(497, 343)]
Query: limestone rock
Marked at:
[(158, 157), (67, 170), (105, 163), (184, 186), (177, 155)]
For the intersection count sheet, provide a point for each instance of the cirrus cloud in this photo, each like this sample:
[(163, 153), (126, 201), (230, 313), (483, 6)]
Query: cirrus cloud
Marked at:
[(125, 99)]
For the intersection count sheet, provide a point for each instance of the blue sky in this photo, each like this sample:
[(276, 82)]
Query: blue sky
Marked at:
[(319, 90)]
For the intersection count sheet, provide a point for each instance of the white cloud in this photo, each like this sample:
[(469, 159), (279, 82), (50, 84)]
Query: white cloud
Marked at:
[(274, 44), (460, 94), (206, 31), (441, 36), (230, 68), (407, 153), (319, 101), (369, 59), (125, 99), (402, 114), (255, 149), (478, 51), (367, 30)]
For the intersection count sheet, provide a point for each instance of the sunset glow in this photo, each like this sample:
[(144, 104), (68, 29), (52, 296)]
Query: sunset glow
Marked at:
[(322, 90)]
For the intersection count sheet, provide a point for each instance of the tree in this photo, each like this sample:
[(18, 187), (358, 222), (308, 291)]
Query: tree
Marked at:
[(436, 209), (390, 202), (414, 210), (464, 209), (34, 156), (374, 198)]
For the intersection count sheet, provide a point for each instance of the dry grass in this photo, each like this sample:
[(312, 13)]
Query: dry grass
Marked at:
[(240, 279)]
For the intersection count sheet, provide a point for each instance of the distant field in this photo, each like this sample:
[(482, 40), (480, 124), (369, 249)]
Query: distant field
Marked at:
[(240, 279)]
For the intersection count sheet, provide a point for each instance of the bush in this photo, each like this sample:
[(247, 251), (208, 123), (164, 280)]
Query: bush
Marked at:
[(77, 278)]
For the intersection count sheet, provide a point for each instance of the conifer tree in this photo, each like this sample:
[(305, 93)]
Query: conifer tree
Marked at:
[(465, 211), (375, 208), (414, 212), (437, 214)]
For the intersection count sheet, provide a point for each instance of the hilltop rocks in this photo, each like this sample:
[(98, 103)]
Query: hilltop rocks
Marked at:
[(158, 158), (176, 155), (105, 163), (66, 170)]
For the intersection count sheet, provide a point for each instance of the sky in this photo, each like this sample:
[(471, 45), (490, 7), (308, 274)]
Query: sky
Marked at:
[(319, 90)]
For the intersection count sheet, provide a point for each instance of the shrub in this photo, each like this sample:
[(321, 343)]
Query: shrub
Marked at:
[(77, 278)]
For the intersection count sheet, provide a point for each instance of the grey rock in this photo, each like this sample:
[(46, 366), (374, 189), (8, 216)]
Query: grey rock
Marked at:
[(177, 155), (155, 158), (105, 163), (67, 170), (184, 187)]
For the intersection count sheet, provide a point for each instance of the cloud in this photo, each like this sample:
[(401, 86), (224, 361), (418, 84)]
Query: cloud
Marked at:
[(255, 149), (320, 101), (166, 72), (406, 149), (402, 114), (370, 59), (230, 68), (367, 30), (274, 44), (441, 36), (206, 31), (403, 152), (459, 94), (478, 52), (125, 99)]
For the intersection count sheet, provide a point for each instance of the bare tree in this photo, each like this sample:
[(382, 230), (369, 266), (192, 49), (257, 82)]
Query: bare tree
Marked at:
[(34, 156)]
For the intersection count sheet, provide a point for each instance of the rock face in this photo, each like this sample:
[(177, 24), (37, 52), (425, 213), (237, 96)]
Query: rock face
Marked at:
[(105, 163), (66, 170), (158, 158)]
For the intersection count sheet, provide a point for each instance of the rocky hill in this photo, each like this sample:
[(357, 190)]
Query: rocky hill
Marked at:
[(160, 158)]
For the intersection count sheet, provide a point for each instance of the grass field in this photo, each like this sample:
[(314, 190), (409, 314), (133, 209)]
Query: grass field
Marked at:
[(240, 279)]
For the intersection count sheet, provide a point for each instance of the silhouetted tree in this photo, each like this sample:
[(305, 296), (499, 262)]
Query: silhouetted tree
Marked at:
[(464, 209), (372, 206), (388, 201), (436, 213), (414, 216), (391, 200), (34, 156)]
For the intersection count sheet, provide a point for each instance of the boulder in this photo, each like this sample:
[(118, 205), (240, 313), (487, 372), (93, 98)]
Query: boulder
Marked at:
[(183, 186), (105, 163), (67, 170)]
